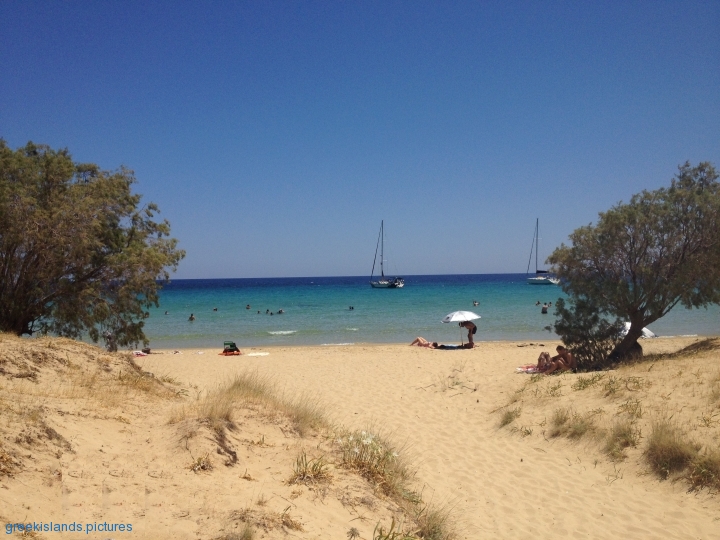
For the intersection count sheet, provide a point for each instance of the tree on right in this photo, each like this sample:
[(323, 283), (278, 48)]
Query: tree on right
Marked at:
[(643, 258)]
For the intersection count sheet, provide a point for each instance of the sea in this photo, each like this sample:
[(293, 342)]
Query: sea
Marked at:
[(335, 311)]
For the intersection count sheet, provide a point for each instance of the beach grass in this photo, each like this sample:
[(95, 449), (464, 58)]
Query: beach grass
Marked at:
[(687, 395), (365, 452), (704, 471), (622, 435), (253, 390), (668, 449), (309, 471), (509, 416)]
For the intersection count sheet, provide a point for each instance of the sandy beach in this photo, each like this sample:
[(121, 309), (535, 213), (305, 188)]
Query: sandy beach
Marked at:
[(129, 460)]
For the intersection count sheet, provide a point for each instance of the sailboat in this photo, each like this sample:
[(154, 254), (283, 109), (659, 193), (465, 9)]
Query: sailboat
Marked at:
[(383, 282), (540, 278)]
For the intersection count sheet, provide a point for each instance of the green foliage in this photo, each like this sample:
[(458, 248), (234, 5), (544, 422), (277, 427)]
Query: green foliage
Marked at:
[(77, 253), (586, 333), (645, 257)]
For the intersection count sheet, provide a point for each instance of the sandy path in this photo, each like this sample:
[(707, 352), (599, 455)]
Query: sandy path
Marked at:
[(500, 485)]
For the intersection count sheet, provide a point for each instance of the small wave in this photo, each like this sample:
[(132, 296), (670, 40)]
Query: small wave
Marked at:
[(352, 329), (335, 344), (282, 332)]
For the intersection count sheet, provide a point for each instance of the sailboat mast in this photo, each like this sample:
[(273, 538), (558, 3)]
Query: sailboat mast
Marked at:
[(537, 234), (382, 248)]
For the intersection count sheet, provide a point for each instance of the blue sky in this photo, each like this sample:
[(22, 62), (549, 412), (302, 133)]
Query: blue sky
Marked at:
[(276, 135)]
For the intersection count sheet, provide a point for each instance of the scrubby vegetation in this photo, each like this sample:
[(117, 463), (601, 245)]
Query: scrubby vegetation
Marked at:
[(204, 433), (662, 410)]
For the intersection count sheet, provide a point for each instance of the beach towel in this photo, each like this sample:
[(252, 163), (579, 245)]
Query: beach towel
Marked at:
[(139, 353), (258, 354), (530, 368), (230, 353)]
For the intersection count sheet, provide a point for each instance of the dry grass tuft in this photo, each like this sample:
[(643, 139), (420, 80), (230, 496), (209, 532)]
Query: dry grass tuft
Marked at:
[(632, 407), (581, 383), (554, 390), (246, 533), (376, 460), (570, 424), (705, 471), (623, 434), (268, 520), (434, 523), (310, 471), (305, 414), (8, 464), (714, 394), (201, 464), (612, 386), (250, 390), (379, 533), (668, 451), (509, 416)]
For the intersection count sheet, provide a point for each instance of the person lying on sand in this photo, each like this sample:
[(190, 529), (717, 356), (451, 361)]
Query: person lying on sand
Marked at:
[(564, 361), (422, 342)]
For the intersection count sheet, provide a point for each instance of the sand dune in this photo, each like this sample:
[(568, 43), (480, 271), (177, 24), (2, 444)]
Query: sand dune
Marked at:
[(129, 465)]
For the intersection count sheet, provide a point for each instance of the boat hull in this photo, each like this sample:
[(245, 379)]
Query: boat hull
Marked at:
[(543, 281), (396, 283)]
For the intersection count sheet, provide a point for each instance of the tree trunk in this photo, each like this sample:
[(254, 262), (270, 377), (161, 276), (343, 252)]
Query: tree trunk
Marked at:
[(629, 346)]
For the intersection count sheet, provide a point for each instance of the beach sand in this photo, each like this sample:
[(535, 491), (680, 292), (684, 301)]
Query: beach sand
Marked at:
[(442, 408)]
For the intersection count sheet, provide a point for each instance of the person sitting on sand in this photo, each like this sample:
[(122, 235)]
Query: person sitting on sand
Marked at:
[(422, 342), (544, 362), (564, 361)]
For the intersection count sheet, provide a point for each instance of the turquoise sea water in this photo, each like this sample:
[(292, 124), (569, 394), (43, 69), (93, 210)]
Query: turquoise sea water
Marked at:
[(317, 311)]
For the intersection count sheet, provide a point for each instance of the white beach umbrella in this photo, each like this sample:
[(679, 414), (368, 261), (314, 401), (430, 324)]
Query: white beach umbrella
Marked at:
[(460, 316), (645, 332)]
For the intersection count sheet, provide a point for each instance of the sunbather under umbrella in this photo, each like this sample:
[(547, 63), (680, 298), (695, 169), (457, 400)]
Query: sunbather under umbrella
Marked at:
[(462, 317)]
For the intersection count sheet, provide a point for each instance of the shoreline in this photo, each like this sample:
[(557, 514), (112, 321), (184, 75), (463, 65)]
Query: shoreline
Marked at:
[(554, 340)]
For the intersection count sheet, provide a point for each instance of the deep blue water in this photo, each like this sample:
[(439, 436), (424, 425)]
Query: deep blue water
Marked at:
[(317, 311)]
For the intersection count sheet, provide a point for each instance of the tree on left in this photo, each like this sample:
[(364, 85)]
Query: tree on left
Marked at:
[(78, 254)]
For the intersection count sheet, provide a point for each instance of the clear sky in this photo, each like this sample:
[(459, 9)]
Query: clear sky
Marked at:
[(276, 135)]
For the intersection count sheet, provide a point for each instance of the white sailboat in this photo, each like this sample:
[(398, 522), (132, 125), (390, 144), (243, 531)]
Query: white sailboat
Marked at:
[(540, 275), (383, 282)]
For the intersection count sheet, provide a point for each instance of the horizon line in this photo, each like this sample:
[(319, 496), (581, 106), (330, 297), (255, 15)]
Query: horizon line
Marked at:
[(361, 277)]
